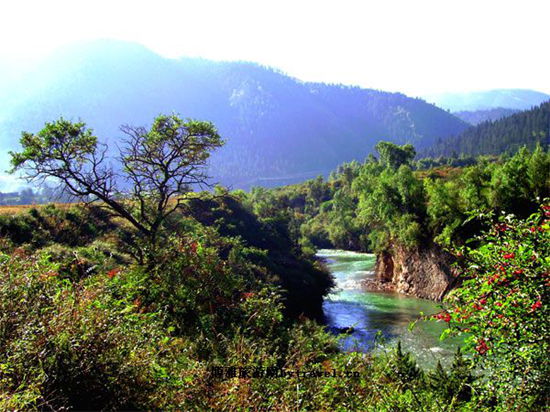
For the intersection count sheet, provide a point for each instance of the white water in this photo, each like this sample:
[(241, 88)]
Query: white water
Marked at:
[(380, 313)]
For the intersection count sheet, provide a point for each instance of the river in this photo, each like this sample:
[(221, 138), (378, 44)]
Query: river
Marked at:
[(387, 314)]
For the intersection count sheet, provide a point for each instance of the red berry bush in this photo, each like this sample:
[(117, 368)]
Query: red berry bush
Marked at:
[(503, 305)]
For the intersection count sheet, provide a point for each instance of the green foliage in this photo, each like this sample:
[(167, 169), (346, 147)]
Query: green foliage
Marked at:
[(504, 317), (58, 142), (83, 326), (503, 305), (390, 202), (125, 337), (302, 280), (380, 203), (455, 385), (525, 129), (393, 155), (403, 368), (79, 344), (160, 165)]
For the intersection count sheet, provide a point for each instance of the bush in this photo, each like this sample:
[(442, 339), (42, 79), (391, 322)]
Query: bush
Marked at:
[(503, 305), (80, 345)]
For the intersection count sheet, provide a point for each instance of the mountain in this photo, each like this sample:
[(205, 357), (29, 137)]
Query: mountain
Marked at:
[(519, 99), (506, 135), (475, 117), (278, 129)]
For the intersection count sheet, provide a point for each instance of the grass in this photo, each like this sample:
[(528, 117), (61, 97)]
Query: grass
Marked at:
[(15, 209)]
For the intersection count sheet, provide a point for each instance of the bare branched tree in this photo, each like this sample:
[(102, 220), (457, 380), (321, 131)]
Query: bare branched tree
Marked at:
[(159, 166)]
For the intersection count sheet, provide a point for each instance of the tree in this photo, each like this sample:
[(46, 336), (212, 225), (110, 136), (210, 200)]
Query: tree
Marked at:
[(159, 166), (391, 203), (393, 155)]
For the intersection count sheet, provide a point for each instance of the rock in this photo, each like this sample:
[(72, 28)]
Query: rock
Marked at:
[(421, 272), (376, 285), (345, 330)]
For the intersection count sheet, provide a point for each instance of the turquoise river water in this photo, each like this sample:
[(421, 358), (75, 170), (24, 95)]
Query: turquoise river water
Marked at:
[(386, 314)]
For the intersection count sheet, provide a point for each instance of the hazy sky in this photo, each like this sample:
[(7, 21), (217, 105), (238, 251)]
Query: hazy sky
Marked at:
[(413, 46)]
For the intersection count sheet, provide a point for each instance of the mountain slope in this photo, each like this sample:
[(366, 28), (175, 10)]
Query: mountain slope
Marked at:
[(519, 99), (527, 128), (278, 129), (475, 117)]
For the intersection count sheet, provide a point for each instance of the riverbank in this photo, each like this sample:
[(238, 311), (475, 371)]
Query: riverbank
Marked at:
[(376, 320)]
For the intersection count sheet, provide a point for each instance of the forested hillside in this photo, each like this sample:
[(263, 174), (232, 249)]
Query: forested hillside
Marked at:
[(475, 117), (278, 129), (506, 135)]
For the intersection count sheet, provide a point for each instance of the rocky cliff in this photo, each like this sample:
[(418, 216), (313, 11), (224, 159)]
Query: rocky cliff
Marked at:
[(424, 273)]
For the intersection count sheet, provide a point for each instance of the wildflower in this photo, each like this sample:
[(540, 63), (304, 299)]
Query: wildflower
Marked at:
[(509, 256), (536, 305)]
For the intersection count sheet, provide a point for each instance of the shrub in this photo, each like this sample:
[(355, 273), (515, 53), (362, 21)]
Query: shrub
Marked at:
[(80, 345), (503, 305)]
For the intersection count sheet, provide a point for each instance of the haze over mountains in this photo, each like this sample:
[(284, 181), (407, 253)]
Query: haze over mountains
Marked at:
[(527, 128), (518, 99), (278, 129), (475, 117), (505, 118)]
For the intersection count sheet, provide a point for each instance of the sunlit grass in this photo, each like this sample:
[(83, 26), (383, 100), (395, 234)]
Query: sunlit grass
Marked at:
[(15, 209)]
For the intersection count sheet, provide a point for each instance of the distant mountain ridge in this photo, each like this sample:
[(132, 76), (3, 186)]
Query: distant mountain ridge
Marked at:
[(507, 135), (518, 99), (475, 117), (278, 129)]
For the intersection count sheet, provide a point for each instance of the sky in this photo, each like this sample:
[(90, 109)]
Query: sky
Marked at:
[(417, 47)]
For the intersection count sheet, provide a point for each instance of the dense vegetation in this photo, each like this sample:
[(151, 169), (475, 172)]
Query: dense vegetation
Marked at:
[(221, 313), (506, 135), (503, 298), (393, 198), (83, 326), (503, 306)]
